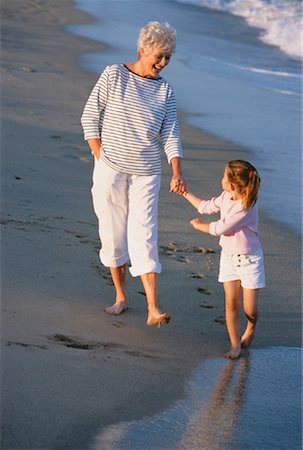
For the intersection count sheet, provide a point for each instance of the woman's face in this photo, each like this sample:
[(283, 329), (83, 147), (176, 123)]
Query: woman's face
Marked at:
[(154, 61)]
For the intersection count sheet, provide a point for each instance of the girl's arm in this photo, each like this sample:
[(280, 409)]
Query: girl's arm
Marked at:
[(199, 225), (192, 199)]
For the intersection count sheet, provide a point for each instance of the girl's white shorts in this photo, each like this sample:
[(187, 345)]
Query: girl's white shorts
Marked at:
[(249, 269), (127, 210)]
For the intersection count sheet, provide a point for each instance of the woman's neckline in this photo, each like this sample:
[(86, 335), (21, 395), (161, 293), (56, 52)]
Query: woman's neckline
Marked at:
[(140, 76)]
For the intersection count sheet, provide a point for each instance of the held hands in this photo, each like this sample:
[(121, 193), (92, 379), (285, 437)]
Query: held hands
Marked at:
[(178, 185)]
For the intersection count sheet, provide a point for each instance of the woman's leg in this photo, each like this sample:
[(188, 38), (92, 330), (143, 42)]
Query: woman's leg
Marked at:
[(110, 202), (150, 284), (143, 240), (142, 225), (232, 291), (250, 306), (118, 276)]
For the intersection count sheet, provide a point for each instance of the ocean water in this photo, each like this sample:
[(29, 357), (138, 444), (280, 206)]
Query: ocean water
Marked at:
[(237, 73), (253, 403)]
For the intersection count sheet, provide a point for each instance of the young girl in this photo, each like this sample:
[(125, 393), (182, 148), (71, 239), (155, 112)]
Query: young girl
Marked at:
[(241, 262)]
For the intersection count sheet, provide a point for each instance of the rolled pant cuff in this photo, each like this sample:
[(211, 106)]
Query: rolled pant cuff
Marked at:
[(115, 262), (138, 271)]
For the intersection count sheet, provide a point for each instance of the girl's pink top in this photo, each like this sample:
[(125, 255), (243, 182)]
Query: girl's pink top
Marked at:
[(237, 227)]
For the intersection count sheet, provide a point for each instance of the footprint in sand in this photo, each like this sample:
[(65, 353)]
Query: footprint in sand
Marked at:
[(182, 259), (172, 247), (196, 275), (22, 344), (220, 319), (75, 343), (204, 291), (118, 324), (168, 249), (92, 345), (203, 250), (207, 305)]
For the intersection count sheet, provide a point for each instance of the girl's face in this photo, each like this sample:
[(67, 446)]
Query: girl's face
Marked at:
[(230, 187), (154, 61), (226, 184)]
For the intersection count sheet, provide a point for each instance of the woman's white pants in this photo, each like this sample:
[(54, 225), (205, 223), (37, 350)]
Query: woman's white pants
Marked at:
[(127, 210)]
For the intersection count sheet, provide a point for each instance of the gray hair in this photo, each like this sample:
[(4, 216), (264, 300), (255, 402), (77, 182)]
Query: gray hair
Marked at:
[(156, 34)]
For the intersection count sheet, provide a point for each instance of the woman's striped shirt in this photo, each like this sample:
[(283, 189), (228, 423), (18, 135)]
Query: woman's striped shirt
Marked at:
[(129, 113)]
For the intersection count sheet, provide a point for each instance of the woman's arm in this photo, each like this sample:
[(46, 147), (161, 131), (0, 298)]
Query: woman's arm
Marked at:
[(177, 182), (94, 106), (170, 138)]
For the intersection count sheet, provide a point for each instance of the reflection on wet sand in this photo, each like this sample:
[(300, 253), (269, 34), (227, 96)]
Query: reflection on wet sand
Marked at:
[(193, 423), (211, 427), (253, 402)]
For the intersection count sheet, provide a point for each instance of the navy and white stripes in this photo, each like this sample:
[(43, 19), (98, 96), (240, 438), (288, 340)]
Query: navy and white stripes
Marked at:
[(129, 113)]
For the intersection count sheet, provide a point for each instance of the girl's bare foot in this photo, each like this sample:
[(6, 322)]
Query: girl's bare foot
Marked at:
[(247, 338), (233, 353), (158, 320), (117, 308)]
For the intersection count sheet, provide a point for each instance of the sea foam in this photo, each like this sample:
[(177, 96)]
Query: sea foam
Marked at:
[(280, 20)]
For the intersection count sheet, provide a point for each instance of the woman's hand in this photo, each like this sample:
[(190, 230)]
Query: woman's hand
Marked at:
[(94, 145), (96, 153), (178, 185)]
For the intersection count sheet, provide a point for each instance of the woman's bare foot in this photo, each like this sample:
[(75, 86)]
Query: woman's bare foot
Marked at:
[(158, 320), (247, 338), (117, 308), (233, 353)]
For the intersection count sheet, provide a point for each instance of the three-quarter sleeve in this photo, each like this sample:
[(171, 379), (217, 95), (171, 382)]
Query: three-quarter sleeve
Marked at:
[(94, 107), (211, 206), (230, 224), (169, 133)]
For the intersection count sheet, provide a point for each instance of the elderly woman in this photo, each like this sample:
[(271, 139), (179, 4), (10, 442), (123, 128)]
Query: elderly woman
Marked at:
[(128, 110)]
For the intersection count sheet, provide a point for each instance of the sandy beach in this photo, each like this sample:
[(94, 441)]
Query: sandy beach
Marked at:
[(67, 368)]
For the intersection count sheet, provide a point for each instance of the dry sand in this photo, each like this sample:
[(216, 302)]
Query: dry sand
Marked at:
[(67, 368)]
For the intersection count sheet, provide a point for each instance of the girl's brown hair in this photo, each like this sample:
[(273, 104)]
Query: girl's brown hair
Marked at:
[(245, 176)]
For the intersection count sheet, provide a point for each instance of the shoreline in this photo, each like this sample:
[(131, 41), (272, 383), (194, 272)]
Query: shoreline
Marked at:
[(67, 368), (186, 116)]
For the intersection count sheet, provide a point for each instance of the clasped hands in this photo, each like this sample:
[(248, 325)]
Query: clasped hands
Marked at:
[(178, 185)]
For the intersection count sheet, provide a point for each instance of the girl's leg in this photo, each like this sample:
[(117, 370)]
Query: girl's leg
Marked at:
[(150, 284), (250, 306), (118, 277), (232, 291)]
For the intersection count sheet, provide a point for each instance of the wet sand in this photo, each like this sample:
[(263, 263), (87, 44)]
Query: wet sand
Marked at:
[(68, 370), (224, 408)]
